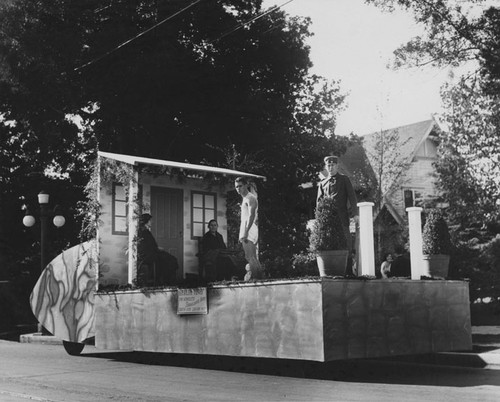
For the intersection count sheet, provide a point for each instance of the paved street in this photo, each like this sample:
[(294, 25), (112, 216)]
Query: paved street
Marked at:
[(46, 373)]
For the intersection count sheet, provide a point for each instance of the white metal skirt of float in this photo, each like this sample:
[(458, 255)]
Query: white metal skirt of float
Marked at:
[(321, 319)]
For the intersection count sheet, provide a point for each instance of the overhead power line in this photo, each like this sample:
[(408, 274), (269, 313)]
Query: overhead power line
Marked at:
[(250, 21), (137, 36), (237, 27)]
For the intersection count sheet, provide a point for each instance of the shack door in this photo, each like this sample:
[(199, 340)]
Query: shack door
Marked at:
[(167, 222)]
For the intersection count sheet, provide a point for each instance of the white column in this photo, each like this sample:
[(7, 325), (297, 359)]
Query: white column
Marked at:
[(366, 250), (133, 190), (415, 229), (97, 235)]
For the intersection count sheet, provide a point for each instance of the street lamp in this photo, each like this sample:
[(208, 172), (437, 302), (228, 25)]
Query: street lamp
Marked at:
[(45, 214)]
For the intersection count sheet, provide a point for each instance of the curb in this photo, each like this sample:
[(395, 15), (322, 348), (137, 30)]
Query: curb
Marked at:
[(485, 360), (39, 338), (485, 353)]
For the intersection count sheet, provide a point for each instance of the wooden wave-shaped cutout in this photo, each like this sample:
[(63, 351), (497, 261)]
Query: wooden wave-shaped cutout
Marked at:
[(63, 298)]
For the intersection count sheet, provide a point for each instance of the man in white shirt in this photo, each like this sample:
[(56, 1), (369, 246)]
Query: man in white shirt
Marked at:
[(249, 232)]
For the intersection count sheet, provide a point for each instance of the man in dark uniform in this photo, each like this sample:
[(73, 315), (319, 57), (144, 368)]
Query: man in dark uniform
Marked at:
[(339, 187)]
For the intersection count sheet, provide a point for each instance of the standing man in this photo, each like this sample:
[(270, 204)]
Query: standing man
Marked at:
[(339, 187), (249, 232)]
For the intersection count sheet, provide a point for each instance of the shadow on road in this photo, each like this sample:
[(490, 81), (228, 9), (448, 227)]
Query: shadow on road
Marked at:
[(13, 333), (415, 370)]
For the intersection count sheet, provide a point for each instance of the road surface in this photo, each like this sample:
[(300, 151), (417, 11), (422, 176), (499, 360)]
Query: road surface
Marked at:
[(34, 372)]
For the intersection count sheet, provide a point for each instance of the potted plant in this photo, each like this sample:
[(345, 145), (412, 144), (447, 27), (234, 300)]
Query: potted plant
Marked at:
[(327, 240), (436, 245)]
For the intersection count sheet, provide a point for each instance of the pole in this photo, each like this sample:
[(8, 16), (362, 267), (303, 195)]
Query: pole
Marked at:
[(44, 234), (44, 241)]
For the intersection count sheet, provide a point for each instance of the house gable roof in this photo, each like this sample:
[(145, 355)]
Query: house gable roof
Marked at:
[(136, 160), (411, 137)]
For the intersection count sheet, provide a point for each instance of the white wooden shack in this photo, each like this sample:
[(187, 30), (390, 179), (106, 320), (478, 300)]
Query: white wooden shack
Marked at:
[(181, 197)]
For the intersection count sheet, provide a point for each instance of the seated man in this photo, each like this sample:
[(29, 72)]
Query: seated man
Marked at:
[(401, 264), (154, 265), (215, 260)]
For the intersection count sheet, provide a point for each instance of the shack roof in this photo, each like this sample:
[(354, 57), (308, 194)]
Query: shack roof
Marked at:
[(136, 160)]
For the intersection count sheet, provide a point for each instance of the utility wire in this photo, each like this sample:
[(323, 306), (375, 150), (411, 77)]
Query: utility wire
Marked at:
[(239, 26), (250, 21), (135, 37)]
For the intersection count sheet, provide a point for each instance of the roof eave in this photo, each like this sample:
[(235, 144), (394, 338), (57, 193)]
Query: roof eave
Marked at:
[(138, 160)]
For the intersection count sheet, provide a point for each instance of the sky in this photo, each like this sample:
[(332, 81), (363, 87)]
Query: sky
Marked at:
[(353, 42)]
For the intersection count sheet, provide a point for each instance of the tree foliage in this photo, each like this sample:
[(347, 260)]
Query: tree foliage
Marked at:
[(454, 32), (387, 162), (468, 166)]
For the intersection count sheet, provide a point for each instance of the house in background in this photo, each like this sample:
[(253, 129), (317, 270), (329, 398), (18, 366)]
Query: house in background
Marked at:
[(414, 185), (416, 154), (181, 197)]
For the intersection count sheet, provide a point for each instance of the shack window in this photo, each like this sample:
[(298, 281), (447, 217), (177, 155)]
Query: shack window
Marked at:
[(203, 209), (120, 210)]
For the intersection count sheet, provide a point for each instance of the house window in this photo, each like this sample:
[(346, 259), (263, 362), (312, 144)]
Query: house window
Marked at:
[(120, 210), (413, 198), (203, 207)]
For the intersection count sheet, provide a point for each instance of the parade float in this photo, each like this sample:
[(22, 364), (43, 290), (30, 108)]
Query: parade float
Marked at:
[(88, 291)]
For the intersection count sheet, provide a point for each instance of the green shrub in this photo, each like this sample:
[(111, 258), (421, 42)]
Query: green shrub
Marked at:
[(284, 267), (326, 231), (436, 236), (304, 264)]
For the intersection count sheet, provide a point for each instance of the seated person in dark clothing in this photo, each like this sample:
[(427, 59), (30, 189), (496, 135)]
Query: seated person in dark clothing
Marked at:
[(154, 265), (216, 262), (400, 266), (212, 240)]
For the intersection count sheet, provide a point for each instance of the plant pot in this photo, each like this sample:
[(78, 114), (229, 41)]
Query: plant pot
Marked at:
[(436, 265), (332, 262)]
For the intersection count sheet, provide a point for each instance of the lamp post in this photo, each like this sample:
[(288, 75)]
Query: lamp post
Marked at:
[(45, 214)]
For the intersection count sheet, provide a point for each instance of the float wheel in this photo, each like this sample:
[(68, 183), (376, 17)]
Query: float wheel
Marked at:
[(73, 348)]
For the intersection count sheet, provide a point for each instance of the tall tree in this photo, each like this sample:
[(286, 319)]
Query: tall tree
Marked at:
[(389, 165), (387, 162), (175, 80), (469, 162)]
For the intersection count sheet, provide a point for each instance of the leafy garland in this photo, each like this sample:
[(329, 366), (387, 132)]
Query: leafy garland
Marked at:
[(107, 171)]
